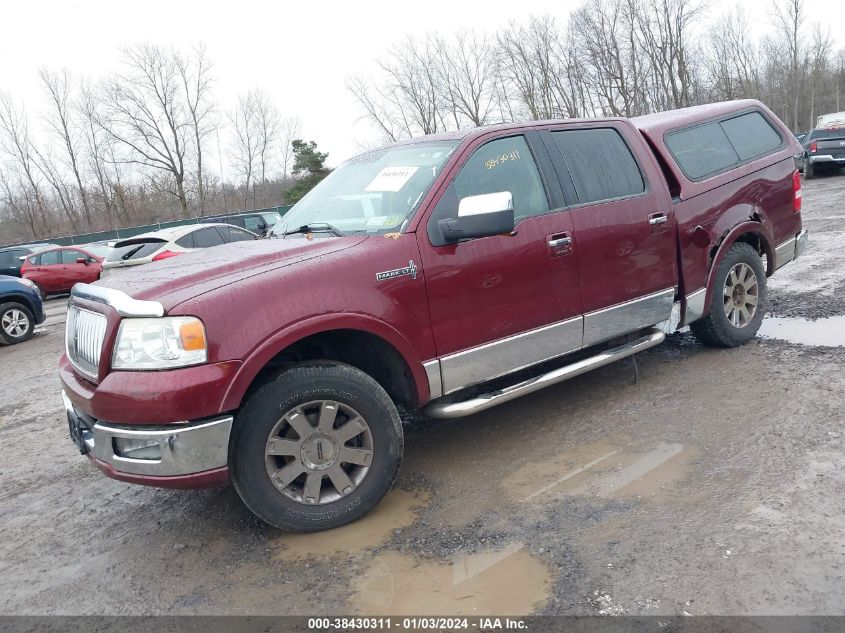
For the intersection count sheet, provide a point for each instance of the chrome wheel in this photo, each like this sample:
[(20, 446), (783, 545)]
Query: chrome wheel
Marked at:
[(15, 323), (741, 294), (319, 452)]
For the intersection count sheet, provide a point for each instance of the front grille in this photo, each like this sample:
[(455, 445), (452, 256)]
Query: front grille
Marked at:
[(84, 334)]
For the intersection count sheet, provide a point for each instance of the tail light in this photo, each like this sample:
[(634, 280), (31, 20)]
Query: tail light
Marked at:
[(796, 191), (814, 147), (165, 255)]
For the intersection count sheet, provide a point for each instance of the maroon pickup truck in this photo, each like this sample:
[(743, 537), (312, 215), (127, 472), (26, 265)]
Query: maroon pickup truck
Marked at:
[(449, 273)]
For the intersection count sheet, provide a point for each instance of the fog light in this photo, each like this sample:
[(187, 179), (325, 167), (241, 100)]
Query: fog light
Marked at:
[(136, 448)]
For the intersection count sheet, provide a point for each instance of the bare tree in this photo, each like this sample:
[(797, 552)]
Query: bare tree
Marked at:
[(145, 112), (289, 129), (197, 82), (16, 143), (63, 125), (788, 18)]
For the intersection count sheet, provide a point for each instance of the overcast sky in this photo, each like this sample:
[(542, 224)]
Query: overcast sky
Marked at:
[(298, 52)]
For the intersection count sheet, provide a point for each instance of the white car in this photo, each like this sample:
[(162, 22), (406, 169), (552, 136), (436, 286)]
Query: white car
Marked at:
[(151, 247)]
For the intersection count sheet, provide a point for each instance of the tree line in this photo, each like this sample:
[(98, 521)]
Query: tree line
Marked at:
[(133, 148), (609, 58)]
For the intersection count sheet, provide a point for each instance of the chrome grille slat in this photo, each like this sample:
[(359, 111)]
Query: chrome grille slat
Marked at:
[(85, 332)]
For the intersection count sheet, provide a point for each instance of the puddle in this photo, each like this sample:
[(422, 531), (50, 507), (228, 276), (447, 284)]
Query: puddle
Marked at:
[(828, 332), (397, 510), (502, 582), (601, 470)]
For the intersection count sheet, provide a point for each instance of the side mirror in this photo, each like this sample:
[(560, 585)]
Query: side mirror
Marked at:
[(82, 260), (480, 216)]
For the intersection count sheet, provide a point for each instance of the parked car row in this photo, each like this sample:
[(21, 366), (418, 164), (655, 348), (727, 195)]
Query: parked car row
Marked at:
[(166, 243)]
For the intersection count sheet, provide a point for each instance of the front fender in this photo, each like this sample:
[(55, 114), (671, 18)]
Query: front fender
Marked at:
[(299, 330)]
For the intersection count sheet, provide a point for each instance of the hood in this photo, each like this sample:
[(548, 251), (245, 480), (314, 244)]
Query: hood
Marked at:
[(176, 279)]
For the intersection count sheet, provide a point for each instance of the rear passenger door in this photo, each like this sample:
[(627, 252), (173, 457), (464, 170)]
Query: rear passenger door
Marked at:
[(623, 224)]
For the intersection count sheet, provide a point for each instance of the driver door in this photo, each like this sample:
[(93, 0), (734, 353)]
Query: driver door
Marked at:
[(501, 303)]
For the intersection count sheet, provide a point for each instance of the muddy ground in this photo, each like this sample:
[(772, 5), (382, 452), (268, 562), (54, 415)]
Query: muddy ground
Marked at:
[(713, 486)]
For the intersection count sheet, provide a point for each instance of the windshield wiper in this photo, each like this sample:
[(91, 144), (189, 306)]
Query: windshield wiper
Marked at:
[(315, 227)]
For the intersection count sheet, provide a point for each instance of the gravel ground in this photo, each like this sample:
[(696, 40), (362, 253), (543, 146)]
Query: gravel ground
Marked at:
[(711, 486)]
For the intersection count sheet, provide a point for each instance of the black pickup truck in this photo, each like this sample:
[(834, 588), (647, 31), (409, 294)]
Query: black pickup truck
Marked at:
[(823, 151)]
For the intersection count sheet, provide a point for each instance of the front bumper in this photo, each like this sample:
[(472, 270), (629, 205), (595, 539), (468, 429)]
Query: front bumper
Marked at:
[(187, 454), (791, 249)]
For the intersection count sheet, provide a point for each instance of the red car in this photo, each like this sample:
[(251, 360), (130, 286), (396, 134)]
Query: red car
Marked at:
[(452, 273), (57, 269)]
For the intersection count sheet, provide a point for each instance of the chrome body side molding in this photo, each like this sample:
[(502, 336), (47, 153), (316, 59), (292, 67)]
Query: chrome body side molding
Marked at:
[(695, 306), (607, 323), (435, 383), (485, 362), (125, 305), (480, 403)]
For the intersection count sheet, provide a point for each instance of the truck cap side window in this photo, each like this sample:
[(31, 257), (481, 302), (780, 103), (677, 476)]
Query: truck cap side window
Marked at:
[(601, 164), (705, 150), (505, 164), (751, 135)]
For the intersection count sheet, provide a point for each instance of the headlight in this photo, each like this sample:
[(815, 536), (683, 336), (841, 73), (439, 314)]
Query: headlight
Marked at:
[(160, 343), (27, 282)]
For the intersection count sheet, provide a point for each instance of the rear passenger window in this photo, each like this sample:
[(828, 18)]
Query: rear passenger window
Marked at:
[(50, 257), (702, 150), (186, 241), (751, 135), (205, 238), (601, 164), (6, 259)]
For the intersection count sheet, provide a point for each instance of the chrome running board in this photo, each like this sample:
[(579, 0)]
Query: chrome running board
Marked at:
[(485, 401)]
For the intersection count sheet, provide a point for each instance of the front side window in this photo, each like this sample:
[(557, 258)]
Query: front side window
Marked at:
[(254, 223), (70, 257), (601, 164), (504, 164), (373, 193)]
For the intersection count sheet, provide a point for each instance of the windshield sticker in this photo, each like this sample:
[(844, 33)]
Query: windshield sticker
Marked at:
[(391, 179), (498, 160)]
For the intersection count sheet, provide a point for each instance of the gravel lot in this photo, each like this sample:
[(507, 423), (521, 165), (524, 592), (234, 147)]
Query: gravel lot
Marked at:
[(713, 486)]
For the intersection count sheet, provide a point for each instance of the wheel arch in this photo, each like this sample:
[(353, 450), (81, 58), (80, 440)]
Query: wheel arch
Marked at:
[(752, 232), (357, 340), (22, 299)]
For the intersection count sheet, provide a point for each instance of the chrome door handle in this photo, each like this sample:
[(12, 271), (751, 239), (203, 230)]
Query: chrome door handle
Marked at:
[(658, 220), (561, 241)]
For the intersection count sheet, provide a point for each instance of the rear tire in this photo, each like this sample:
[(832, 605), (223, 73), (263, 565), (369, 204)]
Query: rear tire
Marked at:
[(17, 323), (316, 448), (738, 300)]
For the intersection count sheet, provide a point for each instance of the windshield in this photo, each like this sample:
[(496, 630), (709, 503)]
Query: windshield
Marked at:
[(372, 193)]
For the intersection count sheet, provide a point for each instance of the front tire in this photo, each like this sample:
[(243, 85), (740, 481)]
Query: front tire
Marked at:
[(738, 302), (17, 323), (316, 448)]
